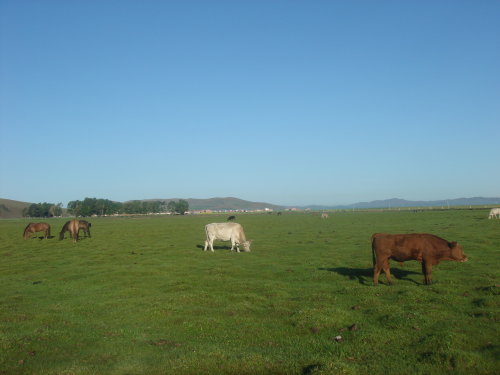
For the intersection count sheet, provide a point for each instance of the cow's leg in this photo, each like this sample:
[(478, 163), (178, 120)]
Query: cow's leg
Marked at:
[(206, 245), (387, 271), (233, 244), (376, 274), (376, 270), (427, 271)]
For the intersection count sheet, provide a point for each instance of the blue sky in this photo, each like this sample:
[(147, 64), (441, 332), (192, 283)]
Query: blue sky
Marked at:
[(286, 102)]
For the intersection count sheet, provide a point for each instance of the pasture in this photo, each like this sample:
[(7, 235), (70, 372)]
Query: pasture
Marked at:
[(141, 297)]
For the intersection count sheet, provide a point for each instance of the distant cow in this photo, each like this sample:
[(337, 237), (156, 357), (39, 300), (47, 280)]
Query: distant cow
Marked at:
[(73, 227), (425, 248), (231, 218), (324, 215), (226, 232), (495, 212)]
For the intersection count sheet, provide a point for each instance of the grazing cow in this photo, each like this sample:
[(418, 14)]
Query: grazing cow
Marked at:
[(37, 227), (425, 248), (73, 227), (324, 215), (495, 212), (226, 232), (231, 218)]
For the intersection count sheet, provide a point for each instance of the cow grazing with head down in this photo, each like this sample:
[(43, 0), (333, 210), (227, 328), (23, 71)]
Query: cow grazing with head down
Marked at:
[(232, 217), (226, 232), (425, 248), (495, 212), (74, 227)]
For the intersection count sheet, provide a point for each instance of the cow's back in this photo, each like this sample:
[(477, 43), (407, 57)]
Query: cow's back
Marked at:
[(402, 247), (224, 231)]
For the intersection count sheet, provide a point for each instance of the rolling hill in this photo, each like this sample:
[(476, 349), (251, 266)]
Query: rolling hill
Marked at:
[(397, 202), (10, 209), (227, 203)]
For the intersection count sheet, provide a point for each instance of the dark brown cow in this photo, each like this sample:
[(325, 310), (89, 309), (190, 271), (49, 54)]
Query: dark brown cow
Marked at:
[(426, 248)]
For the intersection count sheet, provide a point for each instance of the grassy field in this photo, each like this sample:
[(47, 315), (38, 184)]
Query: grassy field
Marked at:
[(141, 297)]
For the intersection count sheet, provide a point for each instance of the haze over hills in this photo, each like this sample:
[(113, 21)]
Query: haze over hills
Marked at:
[(227, 203), (397, 202), (10, 209)]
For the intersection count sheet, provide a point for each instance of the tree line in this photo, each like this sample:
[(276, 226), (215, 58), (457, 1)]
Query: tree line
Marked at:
[(43, 210), (101, 207)]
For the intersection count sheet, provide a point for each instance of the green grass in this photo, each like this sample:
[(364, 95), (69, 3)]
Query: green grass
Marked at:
[(141, 297)]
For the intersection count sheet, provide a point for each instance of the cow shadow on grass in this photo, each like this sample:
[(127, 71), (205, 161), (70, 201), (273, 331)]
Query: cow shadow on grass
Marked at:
[(365, 275), (222, 247)]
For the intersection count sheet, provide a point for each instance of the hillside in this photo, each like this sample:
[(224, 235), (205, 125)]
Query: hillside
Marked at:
[(396, 202), (228, 203), (10, 209)]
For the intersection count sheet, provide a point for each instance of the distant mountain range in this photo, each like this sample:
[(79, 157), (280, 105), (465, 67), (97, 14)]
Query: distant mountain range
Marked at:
[(396, 202), (10, 209)]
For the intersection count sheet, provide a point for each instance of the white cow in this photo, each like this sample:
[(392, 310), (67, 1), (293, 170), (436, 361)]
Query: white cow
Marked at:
[(226, 232), (324, 215), (495, 212)]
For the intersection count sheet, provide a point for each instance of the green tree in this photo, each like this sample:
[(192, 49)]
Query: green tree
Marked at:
[(39, 210), (172, 206), (132, 207), (94, 206), (180, 207), (56, 209), (74, 207)]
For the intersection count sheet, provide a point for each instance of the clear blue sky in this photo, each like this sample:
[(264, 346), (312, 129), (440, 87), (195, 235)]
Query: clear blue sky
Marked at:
[(286, 102)]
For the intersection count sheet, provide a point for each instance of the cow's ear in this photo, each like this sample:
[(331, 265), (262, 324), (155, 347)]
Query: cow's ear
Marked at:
[(452, 244)]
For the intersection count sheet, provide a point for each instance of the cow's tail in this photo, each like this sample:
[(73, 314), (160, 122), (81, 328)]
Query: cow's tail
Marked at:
[(63, 230), (206, 234), (374, 255)]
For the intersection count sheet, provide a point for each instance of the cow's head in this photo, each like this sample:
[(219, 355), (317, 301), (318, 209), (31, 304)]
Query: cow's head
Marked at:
[(457, 253), (246, 246)]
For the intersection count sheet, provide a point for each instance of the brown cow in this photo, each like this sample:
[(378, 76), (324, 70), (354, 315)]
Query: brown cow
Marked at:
[(426, 248), (73, 227)]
